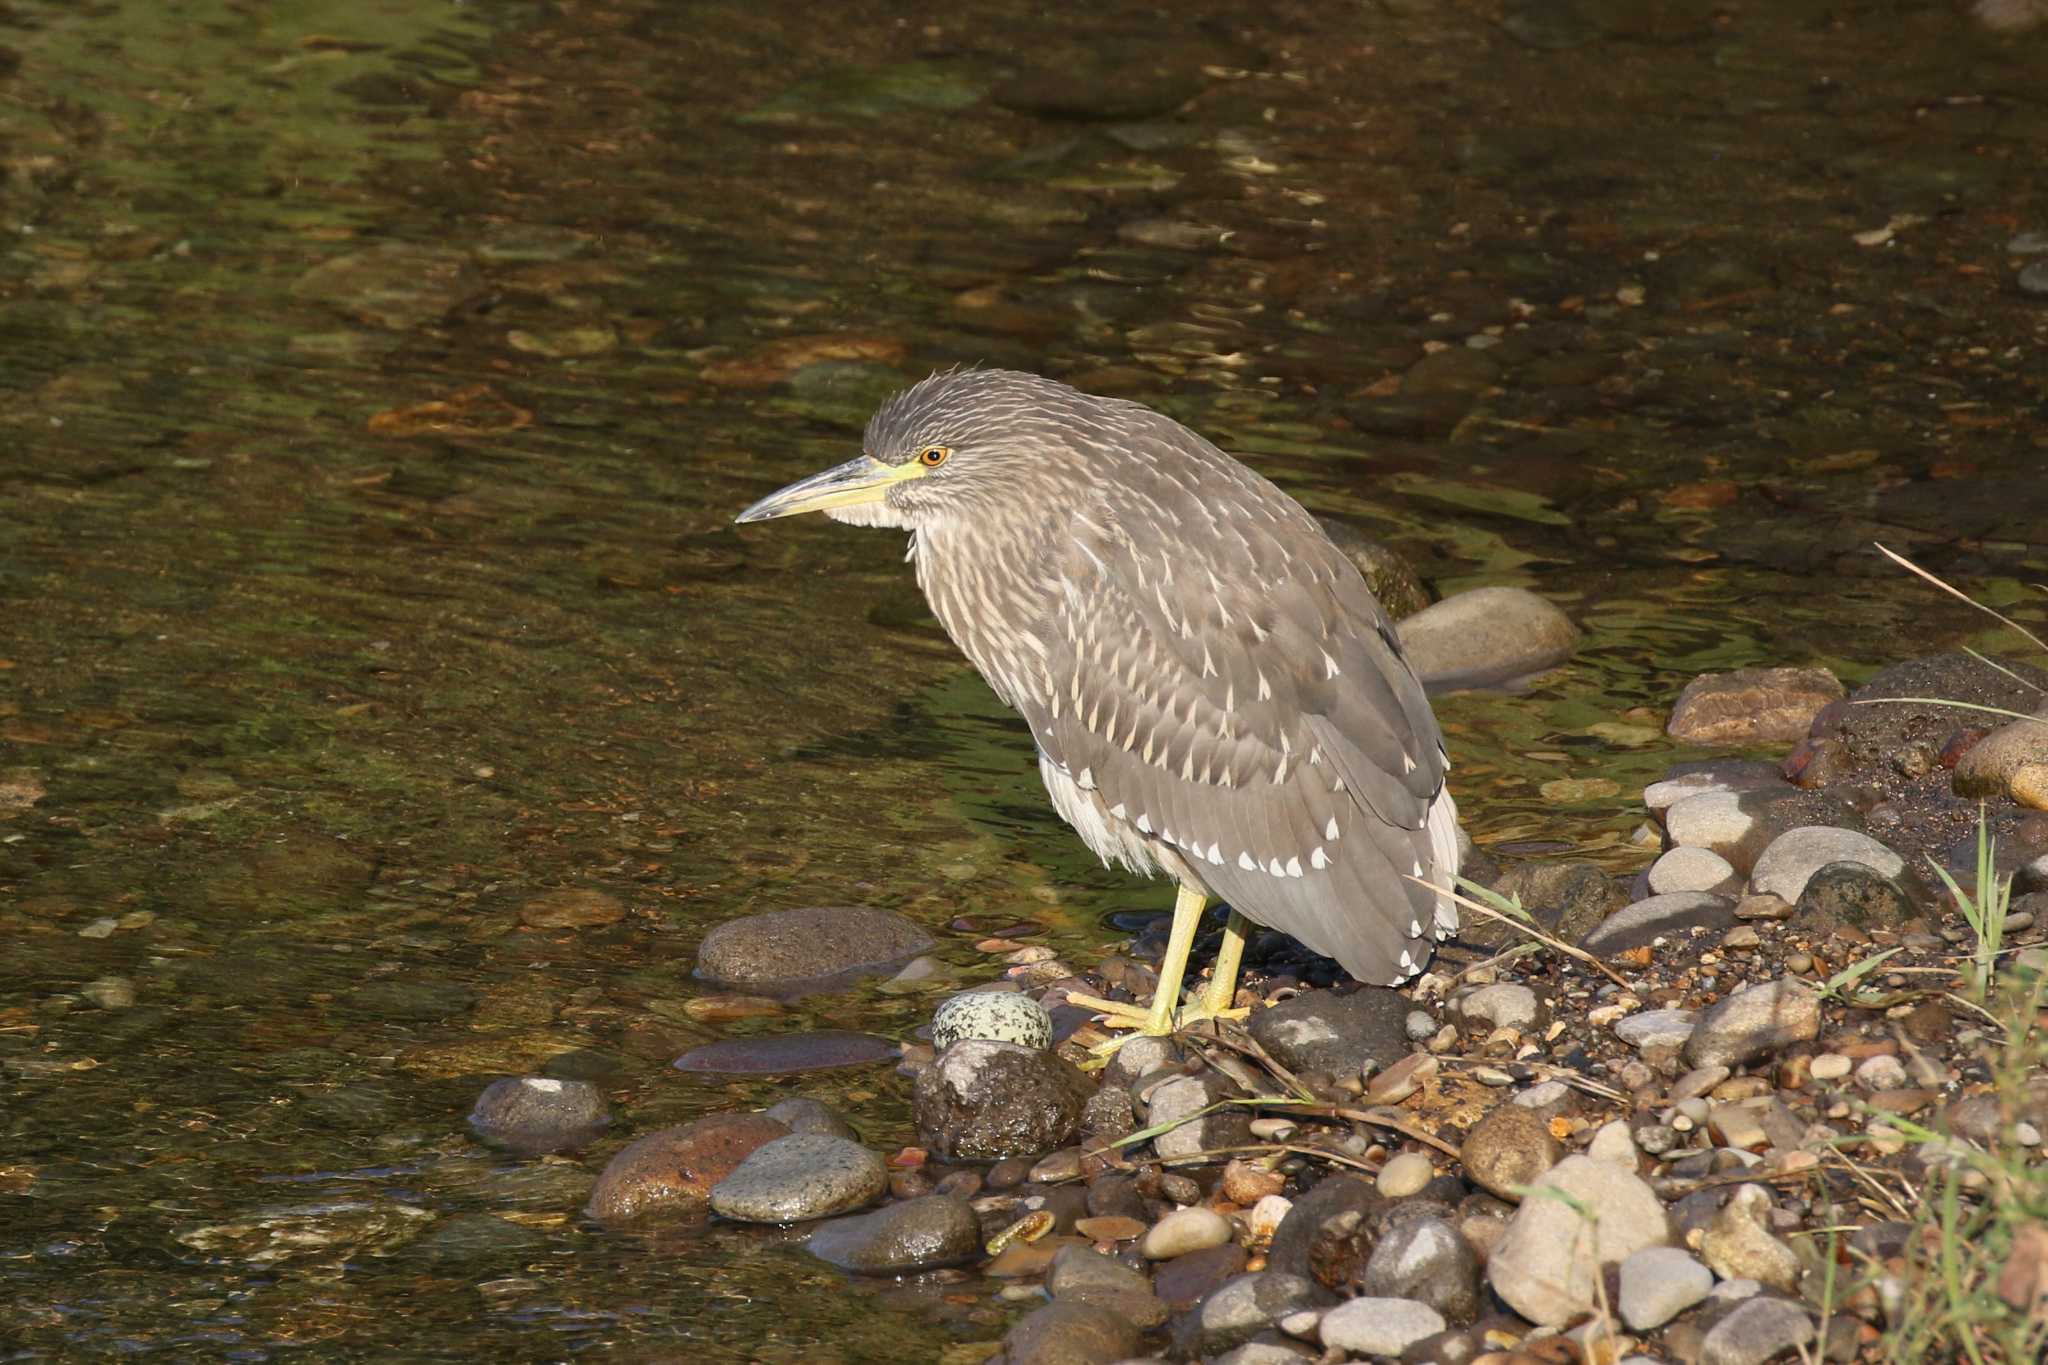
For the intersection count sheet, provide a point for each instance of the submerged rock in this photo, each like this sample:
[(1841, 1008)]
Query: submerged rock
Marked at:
[(792, 952), (1486, 637), (917, 1234), (534, 1114), (1751, 705), (788, 1052), (673, 1169)]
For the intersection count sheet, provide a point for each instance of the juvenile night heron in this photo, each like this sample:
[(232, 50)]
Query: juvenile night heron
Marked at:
[(1214, 691)]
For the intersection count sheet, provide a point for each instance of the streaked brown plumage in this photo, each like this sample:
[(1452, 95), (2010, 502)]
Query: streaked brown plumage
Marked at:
[(1214, 691)]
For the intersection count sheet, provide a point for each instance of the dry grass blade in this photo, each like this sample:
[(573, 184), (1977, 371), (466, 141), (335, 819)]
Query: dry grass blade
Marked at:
[(1523, 926), (1998, 616)]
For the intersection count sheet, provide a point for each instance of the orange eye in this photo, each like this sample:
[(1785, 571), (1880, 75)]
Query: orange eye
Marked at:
[(931, 457)]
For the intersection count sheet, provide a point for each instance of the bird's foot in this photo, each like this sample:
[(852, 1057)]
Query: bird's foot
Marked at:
[(1147, 1021)]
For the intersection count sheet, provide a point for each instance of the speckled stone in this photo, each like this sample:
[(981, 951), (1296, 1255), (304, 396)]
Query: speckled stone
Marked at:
[(1000, 1016)]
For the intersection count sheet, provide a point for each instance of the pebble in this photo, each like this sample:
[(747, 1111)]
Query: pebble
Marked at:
[(1613, 1142), (1183, 1231), (1000, 1016), (1739, 1245), (1547, 1263), (1659, 1283), (1692, 869), (1505, 1005), (1756, 1330), (1793, 857), (1652, 1028), (1182, 1098), (1882, 1072), (1374, 1326), (1754, 1021), (802, 1114), (799, 1177), (1508, 1148), (983, 1101), (1405, 1174), (1069, 1332), (1425, 1259), (1239, 1309)]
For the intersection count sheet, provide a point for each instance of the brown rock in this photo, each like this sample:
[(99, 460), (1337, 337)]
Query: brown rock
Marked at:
[(572, 908), (1507, 1149), (1751, 705), (675, 1168)]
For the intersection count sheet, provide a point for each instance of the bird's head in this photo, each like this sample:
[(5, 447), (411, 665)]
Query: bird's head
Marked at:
[(959, 444)]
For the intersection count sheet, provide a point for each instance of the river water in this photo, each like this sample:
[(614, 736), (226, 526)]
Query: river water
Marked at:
[(378, 381)]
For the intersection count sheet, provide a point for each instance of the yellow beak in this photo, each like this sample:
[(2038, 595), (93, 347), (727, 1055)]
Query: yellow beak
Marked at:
[(858, 481)]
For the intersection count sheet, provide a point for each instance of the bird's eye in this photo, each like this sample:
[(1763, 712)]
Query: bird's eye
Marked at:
[(931, 457)]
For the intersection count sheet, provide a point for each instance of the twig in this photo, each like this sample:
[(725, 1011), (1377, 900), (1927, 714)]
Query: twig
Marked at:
[(2000, 617), (1531, 930)]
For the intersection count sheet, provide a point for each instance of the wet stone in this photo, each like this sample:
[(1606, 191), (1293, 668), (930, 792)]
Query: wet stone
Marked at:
[(898, 1239), (477, 1240), (795, 951), (984, 1101), (1070, 1332), (397, 285), (1186, 1280), (534, 1114), (412, 999), (572, 908), (799, 1177), (786, 1053), (674, 1168)]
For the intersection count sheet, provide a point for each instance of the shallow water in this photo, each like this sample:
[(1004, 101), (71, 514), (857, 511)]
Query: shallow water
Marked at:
[(380, 382)]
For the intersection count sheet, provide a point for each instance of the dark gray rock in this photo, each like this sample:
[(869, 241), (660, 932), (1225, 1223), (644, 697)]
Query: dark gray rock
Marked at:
[(1756, 1330), (1336, 1035), (898, 1239), (1079, 1273), (1875, 733), (984, 1101), (1852, 894), (817, 948), (477, 1241), (530, 1115)]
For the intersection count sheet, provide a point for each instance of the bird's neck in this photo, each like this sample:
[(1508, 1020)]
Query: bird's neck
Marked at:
[(990, 580)]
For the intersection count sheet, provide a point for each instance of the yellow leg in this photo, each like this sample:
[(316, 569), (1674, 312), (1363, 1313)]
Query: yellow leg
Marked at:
[(1158, 1020), (1222, 991)]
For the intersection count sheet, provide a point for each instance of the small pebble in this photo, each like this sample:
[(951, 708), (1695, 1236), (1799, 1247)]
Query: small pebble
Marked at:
[(1405, 1175), (1829, 1066), (1183, 1231)]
